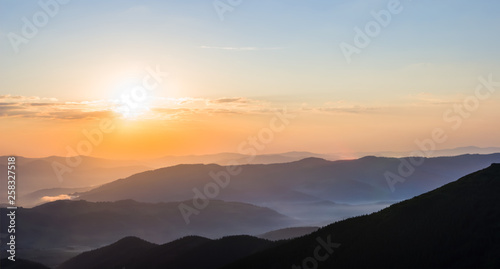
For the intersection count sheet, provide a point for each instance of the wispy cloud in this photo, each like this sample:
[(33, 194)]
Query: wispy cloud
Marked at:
[(138, 10), (176, 108), (343, 107), (352, 110), (50, 108), (433, 99), (238, 100), (241, 48), (160, 108), (19, 98)]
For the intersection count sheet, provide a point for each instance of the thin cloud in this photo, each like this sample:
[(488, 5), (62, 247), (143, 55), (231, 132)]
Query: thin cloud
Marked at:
[(240, 48), (432, 99), (19, 98), (343, 107), (239, 100), (138, 10), (161, 108), (351, 110), (49, 108)]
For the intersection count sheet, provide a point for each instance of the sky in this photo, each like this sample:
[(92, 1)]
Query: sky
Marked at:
[(203, 76)]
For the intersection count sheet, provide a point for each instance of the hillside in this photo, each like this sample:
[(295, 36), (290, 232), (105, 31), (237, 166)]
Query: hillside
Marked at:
[(313, 190), (287, 233), (454, 226), (37, 174), (20, 264), (125, 250), (82, 223), (190, 252)]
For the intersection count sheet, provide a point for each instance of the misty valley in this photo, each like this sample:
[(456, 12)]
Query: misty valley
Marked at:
[(259, 215)]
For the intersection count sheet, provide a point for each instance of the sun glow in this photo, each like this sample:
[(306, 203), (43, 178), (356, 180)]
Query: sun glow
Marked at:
[(131, 100), (130, 110)]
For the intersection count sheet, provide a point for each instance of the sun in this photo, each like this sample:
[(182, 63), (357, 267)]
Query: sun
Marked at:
[(132, 101), (132, 111), (132, 106)]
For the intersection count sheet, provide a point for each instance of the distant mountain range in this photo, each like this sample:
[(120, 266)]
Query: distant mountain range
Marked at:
[(435, 153), (258, 199), (89, 172), (187, 252), (312, 190), (82, 223), (225, 158), (454, 226), (39, 177), (49, 195), (35, 174)]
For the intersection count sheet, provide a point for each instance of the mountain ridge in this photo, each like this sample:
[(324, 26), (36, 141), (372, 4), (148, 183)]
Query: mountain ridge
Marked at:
[(209, 253), (455, 225), (458, 220), (298, 188)]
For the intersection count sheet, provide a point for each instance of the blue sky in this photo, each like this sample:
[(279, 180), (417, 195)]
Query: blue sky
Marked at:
[(264, 54), (296, 44)]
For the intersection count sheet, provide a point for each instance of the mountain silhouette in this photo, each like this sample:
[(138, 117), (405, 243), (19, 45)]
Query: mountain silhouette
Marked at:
[(116, 255), (39, 174), (189, 252), (21, 264), (80, 172), (81, 223), (455, 226), (313, 189)]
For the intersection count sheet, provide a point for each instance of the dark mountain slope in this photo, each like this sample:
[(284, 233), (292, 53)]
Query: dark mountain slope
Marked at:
[(186, 253), (212, 254), (21, 264), (455, 226), (288, 233), (311, 189), (82, 223), (310, 179), (116, 255), (169, 252)]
